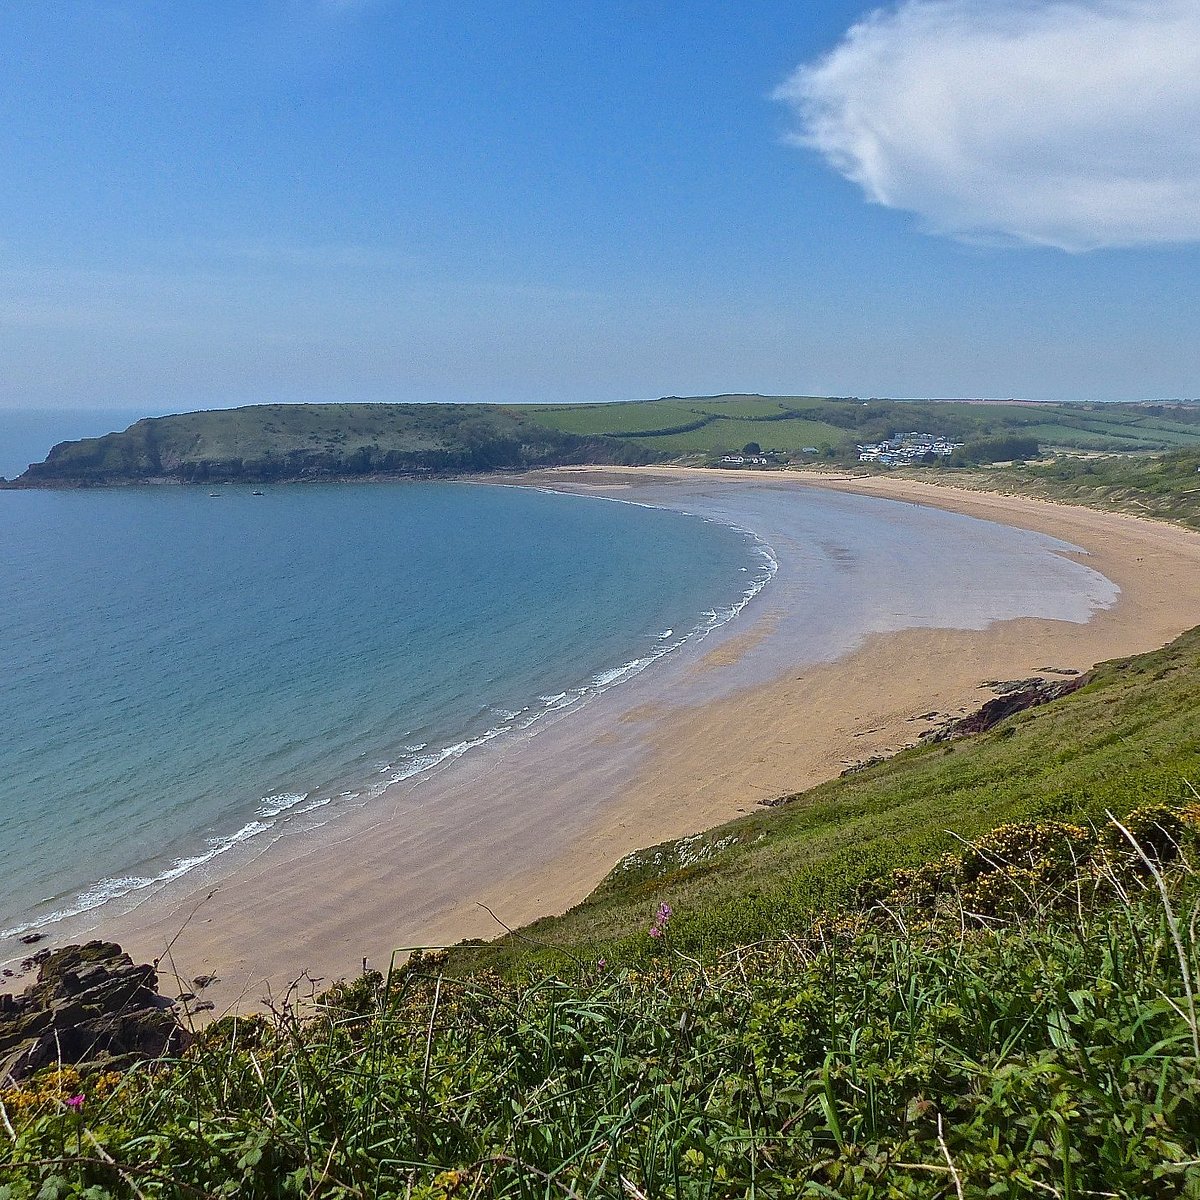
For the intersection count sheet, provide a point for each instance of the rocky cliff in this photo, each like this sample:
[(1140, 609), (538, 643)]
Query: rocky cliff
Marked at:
[(89, 1005)]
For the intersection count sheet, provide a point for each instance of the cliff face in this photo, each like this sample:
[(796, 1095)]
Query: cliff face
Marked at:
[(274, 443), (129, 455)]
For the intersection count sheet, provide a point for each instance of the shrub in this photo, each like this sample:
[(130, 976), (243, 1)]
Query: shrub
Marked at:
[(1159, 830)]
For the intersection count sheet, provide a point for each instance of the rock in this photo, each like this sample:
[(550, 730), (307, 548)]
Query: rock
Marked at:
[(91, 1005), (34, 960), (32, 939), (776, 801), (1014, 698), (866, 763)]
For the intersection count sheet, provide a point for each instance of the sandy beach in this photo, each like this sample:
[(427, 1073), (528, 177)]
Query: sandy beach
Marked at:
[(532, 828)]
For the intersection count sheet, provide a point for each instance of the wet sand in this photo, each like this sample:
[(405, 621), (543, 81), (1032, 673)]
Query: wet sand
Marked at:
[(532, 827)]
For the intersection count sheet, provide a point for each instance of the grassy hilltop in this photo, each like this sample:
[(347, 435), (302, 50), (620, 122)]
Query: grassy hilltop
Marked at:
[(276, 442), (676, 426)]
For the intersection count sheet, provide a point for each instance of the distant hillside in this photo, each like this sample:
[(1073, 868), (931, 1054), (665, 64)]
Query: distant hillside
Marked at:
[(271, 443), (276, 442), (791, 425)]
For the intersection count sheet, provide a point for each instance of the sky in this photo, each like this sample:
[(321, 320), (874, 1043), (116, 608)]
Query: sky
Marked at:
[(407, 200)]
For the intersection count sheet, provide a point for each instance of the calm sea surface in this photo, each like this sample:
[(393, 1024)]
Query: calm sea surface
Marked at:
[(181, 673)]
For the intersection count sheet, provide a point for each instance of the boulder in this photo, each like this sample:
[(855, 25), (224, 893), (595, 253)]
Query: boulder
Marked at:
[(91, 1005)]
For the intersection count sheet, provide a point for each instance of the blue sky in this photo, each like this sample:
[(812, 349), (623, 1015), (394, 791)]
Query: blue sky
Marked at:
[(225, 203)]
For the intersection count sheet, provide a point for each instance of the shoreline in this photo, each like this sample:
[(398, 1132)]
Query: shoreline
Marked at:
[(808, 726), (423, 765), (666, 767)]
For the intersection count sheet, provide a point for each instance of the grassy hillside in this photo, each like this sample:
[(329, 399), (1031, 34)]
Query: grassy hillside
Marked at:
[(1127, 738), (299, 441), (306, 441), (835, 997), (903, 1051)]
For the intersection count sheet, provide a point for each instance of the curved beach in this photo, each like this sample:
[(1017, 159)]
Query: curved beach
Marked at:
[(532, 827)]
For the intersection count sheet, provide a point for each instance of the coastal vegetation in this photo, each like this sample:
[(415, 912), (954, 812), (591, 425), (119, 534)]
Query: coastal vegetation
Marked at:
[(1165, 486), (276, 442), (995, 449), (949, 974), (1032, 1032)]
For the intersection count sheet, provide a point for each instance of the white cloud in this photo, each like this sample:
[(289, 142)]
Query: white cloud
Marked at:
[(1073, 124)]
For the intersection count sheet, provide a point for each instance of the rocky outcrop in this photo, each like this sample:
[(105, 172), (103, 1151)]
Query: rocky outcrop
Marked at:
[(90, 1005), (1016, 697)]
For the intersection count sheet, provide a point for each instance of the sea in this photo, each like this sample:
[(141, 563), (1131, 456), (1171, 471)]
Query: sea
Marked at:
[(184, 670)]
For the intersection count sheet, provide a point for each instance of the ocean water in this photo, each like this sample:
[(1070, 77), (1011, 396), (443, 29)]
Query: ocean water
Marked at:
[(183, 673)]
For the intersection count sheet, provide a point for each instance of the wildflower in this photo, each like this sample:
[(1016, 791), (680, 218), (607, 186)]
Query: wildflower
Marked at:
[(601, 963), (446, 1183), (75, 1102), (655, 932), (659, 927)]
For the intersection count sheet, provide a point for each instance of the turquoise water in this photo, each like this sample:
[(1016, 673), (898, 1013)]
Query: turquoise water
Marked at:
[(181, 673)]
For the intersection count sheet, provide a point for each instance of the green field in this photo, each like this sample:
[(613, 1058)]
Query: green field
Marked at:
[(614, 419), (726, 434), (1113, 435), (751, 407), (703, 427)]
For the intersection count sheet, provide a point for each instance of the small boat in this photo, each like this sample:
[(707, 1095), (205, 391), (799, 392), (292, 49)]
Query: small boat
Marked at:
[(256, 493), (214, 493)]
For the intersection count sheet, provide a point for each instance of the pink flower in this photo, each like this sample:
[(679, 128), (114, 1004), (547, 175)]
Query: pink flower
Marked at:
[(659, 925), (601, 963), (75, 1102)]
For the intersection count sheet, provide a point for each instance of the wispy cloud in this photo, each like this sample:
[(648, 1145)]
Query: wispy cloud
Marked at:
[(1073, 124)]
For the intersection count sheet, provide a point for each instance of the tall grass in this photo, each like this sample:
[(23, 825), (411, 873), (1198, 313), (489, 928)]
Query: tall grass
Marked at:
[(1016, 1019)]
